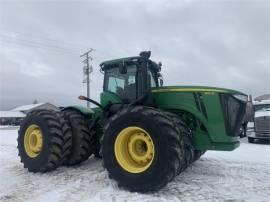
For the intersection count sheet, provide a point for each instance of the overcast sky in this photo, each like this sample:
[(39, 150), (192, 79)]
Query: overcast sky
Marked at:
[(215, 43)]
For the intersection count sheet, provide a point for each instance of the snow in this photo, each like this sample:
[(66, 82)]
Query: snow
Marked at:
[(8, 127), (27, 107), (240, 175)]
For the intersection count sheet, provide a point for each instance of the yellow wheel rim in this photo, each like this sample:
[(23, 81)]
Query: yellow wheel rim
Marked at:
[(134, 149), (33, 141)]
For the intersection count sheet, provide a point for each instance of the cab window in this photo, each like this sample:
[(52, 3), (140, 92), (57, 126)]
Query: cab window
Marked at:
[(124, 85), (151, 79)]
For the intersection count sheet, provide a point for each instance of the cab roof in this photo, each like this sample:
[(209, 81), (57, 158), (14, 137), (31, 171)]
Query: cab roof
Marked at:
[(119, 60), (128, 60)]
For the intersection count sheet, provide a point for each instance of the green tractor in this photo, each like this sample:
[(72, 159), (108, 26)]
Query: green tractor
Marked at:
[(145, 133)]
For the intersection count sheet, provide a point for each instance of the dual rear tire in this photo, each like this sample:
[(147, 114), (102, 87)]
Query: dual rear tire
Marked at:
[(41, 140), (82, 138), (48, 139)]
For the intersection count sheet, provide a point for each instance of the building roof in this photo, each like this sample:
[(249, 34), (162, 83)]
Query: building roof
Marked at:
[(11, 114), (27, 107)]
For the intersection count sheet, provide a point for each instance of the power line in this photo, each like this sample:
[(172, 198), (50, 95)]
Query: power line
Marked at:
[(46, 46), (43, 42), (35, 44), (42, 38)]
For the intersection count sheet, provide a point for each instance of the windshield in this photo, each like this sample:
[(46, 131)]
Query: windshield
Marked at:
[(124, 85), (262, 107)]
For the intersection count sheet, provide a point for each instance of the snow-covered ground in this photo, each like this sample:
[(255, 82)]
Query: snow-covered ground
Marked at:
[(241, 175)]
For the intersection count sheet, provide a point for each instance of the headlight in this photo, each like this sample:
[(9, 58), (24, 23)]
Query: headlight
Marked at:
[(243, 98)]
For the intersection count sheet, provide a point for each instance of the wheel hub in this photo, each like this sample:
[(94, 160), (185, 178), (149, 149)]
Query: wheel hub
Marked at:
[(134, 149), (33, 141)]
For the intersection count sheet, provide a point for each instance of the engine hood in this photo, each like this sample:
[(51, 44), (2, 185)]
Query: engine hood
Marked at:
[(195, 89)]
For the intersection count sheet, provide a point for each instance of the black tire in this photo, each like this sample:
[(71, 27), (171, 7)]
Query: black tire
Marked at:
[(243, 131), (168, 156), (96, 145), (251, 140), (198, 154), (203, 152), (82, 137), (52, 152), (186, 134), (67, 135)]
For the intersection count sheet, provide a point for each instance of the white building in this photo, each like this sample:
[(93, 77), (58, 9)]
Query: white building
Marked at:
[(11, 117), (14, 116), (27, 108)]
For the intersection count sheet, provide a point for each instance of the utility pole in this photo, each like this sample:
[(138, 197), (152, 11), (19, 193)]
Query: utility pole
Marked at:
[(87, 70)]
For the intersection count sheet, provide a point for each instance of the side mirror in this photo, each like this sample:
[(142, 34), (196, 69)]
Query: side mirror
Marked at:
[(122, 68), (160, 79)]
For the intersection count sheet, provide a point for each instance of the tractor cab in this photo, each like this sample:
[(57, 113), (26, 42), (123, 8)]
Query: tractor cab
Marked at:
[(128, 79)]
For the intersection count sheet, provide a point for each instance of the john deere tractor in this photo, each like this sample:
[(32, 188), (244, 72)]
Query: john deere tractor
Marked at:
[(145, 133)]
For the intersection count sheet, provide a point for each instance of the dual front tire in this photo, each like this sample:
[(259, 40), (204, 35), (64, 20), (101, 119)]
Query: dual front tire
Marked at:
[(143, 149)]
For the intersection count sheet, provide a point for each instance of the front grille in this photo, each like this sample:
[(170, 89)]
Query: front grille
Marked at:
[(233, 112), (262, 124)]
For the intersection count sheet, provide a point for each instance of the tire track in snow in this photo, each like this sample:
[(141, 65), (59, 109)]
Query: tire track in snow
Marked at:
[(215, 177)]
